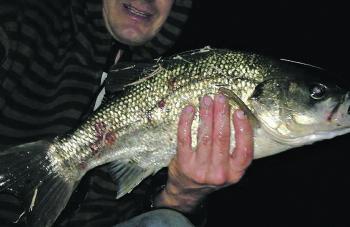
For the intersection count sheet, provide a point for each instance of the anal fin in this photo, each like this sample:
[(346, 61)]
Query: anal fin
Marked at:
[(127, 175)]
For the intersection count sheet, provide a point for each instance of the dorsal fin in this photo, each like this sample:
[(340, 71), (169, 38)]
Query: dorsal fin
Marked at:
[(301, 63), (124, 74)]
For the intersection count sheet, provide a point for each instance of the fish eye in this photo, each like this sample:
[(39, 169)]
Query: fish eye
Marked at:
[(318, 91)]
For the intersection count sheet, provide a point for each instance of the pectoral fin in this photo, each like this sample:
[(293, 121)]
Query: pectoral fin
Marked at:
[(236, 100)]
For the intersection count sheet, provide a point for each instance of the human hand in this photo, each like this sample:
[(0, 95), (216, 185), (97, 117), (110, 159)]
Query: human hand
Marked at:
[(194, 173)]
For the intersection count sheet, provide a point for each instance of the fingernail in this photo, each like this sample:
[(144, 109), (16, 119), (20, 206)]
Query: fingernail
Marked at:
[(206, 100), (241, 114), (221, 98), (189, 109)]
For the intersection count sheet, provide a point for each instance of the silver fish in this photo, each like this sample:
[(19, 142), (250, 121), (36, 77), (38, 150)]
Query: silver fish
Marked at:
[(289, 105)]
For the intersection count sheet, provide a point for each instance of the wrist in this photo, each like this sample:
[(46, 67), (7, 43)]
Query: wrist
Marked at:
[(183, 201), (195, 211)]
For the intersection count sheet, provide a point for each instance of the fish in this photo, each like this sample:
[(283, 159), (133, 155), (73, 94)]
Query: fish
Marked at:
[(289, 105)]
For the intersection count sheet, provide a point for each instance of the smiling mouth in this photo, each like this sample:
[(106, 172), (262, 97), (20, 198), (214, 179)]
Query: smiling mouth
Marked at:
[(136, 12)]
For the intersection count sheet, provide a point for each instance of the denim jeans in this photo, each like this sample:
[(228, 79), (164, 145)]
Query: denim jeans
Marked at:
[(158, 218)]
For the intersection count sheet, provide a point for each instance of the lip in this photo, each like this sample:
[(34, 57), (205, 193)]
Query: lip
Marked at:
[(136, 13)]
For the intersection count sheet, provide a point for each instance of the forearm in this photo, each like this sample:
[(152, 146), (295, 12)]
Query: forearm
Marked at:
[(181, 192)]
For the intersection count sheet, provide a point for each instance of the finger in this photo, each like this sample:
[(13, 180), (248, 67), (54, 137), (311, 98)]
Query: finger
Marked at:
[(243, 153), (184, 140), (221, 129), (204, 139)]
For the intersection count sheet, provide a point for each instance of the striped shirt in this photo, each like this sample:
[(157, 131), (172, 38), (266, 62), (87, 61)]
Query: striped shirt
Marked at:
[(52, 55)]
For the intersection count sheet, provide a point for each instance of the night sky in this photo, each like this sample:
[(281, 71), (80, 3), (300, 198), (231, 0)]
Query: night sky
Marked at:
[(308, 186)]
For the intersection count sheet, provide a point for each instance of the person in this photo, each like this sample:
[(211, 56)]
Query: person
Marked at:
[(53, 55)]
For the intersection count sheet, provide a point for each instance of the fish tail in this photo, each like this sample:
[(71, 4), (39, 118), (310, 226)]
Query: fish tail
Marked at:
[(26, 172)]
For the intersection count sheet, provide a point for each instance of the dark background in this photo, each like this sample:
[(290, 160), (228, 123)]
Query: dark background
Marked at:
[(308, 186)]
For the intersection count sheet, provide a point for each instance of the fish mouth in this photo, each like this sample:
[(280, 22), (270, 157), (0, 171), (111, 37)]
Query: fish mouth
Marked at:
[(338, 121), (321, 135), (137, 12), (334, 110), (343, 101), (305, 139)]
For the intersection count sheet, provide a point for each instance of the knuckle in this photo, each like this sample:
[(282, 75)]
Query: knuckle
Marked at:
[(200, 177), (247, 158), (219, 178), (183, 138), (205, 140), (181, 142), (250, 154), (237, 175), (223, 138), (236, 179)]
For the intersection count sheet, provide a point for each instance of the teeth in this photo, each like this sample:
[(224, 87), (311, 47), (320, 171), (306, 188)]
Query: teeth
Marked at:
[(137, 12)]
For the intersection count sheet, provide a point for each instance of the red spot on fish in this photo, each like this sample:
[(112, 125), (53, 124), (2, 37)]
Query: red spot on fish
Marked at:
[(329, 118), (94, 147), (82, 165), (110, 138), (100, 129), (104, 137), (161, 104)]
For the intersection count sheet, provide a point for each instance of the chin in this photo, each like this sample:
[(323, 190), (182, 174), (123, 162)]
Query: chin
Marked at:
[(132, 38)]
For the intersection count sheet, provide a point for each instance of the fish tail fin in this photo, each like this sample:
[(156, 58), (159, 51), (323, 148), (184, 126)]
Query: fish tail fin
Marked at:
[(27, 172)]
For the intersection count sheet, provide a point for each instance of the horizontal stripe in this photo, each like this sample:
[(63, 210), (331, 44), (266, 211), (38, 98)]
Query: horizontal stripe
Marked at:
[(42, 32), (49, 15), (183, 4), (29, 121), (11, 135), (4, 43), (9, 26), (15, 90), (7, 10), (172, 28), (175, 21), (71, 64), (32, 108)]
